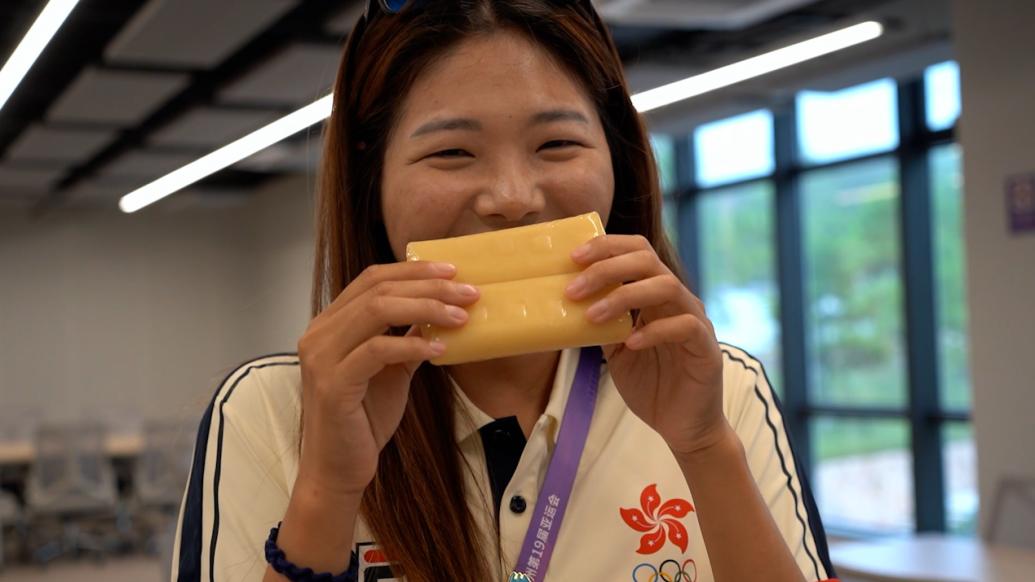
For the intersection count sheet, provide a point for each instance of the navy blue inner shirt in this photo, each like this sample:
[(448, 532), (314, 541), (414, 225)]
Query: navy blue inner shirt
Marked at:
[(503, 442)]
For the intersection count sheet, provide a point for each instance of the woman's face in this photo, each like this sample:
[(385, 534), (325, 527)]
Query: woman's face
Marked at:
[(496, 134)]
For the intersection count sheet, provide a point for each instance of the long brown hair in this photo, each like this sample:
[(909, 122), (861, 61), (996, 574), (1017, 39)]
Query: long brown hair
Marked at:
[(416, 505)]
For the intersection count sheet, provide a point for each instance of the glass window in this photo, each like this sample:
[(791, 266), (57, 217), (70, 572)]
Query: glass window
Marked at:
[(734, 149), (942, 89), (670, 219), (950, 276), (863, 473), (738, 270), (960, 469), (848, 123), (853, 284), (664, 149)]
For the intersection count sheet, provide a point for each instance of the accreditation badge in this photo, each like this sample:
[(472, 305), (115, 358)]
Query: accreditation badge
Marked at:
[(373, 564)]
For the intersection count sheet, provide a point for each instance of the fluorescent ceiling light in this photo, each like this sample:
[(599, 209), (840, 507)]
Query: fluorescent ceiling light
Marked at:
[(29, 49), (756, 66), (652, 99), (227, 155)]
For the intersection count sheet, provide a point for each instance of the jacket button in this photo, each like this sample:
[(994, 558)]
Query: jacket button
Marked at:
[(517, 504)]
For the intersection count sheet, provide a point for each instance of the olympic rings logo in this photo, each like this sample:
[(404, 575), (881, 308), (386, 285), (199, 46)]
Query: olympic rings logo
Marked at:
[(669, 571)]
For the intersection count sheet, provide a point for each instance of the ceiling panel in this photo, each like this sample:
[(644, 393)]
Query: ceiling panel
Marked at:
[(106, 194), (298, 75), (208, 127), (16, 180), (97, 193), (49, 144), (145, 164), (342, 23), (294, 156), (701, 14), (102, 191), (115, 97), (214, 30), (204, 197)]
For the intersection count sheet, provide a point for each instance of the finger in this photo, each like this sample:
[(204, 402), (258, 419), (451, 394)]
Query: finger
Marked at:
[(608, 272), (372, 313), (690, 332), (441, 289), (664, 291), (610, 245), (373, 355), (383, 272)]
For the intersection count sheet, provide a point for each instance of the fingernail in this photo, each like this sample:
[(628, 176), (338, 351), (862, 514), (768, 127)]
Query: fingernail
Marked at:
[(445, 268), (580, 252), (634, 340), (576, 286), (438, 348), (456, 313), (597, 310), (468, 290)]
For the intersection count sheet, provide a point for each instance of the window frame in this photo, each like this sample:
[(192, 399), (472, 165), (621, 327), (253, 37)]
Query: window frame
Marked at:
[(923, 409)]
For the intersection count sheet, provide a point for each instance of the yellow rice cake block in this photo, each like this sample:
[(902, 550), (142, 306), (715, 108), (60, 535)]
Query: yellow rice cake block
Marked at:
[(521, 273)]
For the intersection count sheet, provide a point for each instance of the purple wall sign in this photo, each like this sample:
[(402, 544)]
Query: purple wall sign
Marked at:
[(1020, 202)]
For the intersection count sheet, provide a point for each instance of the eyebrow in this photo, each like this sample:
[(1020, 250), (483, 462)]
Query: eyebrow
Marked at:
[(468, 124)]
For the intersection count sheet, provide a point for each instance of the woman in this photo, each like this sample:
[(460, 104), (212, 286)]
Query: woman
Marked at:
[(453, 118)]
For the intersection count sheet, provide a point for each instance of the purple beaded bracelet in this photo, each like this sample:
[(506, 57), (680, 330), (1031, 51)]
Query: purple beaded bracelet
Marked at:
[(279, 562)]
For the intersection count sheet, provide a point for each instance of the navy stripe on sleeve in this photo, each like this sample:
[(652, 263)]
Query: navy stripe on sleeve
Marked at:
[(191, 535), (219, 459), (819, 534), (189, 569), (814, 526)]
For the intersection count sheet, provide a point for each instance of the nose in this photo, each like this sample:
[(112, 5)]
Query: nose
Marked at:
[(512, 196)]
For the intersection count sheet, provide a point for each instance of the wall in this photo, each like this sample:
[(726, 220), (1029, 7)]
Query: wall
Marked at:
[(994, 47), (124, 317)]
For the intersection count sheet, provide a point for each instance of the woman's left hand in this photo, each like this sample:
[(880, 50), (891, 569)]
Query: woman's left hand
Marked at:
[(669, 371)]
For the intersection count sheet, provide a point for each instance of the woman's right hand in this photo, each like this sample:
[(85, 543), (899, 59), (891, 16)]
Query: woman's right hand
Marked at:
[(356, 379)]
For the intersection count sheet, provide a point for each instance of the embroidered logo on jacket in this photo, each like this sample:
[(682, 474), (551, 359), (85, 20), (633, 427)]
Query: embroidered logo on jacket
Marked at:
[(670, 570), (658, 520)]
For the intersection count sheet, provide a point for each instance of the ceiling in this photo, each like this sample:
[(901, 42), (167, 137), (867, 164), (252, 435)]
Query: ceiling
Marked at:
[(131, 89)]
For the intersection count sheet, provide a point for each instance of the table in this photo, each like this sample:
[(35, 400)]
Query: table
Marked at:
[(22, 452), (16, 458), (932, 558)]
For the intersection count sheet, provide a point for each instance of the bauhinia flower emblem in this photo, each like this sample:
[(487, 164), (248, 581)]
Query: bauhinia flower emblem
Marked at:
[(658, 520)]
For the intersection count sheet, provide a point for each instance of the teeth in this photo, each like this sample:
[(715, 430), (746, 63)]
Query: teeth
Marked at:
[(521, 273)]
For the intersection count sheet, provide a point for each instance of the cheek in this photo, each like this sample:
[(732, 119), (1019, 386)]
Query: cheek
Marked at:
[(419, 207), (584, 186)]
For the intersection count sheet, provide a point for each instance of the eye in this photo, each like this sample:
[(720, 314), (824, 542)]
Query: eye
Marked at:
[(453, 153), (560, 143)]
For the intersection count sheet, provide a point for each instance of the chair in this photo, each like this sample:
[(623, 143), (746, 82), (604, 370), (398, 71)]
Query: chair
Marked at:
[(1012, 517), (70, 493), (159, 477), (10, 515)]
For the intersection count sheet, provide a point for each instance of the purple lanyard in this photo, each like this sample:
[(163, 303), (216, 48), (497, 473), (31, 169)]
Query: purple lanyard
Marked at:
[(560, 474)]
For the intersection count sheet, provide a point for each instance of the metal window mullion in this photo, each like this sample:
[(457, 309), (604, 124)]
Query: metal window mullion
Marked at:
[(790, 273), (687, 213), (839, 411), (920, 311)]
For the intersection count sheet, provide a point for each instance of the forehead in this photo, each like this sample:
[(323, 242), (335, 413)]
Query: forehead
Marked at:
[(499, 74)]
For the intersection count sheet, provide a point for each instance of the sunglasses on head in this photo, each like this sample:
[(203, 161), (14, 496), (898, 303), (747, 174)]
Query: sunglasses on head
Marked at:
[(388, 6), (396, 6)]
